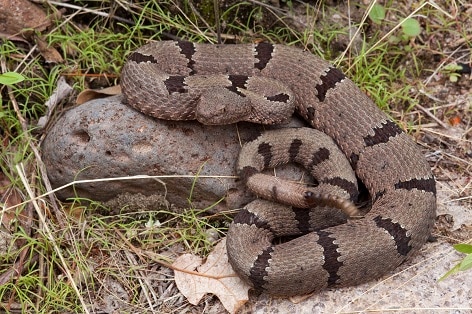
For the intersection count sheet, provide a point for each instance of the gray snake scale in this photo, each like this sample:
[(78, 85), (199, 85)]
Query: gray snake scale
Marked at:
[(265, 83)]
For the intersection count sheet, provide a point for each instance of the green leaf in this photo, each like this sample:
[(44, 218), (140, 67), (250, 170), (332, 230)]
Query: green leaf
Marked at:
[(452, 271), (466, 263), (411, 27), (452, 67), (377, 14), (10, 78), (453, 78), (463, 248)]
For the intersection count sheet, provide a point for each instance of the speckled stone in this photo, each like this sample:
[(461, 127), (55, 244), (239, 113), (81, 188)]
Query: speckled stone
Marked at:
[(104, 138)]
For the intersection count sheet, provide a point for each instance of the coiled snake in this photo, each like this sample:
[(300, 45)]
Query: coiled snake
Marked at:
[(265, 83)]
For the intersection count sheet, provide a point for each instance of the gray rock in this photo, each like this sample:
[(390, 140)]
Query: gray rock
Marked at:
[(104, 138)]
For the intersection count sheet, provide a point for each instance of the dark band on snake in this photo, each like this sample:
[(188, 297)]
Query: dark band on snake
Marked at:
[(426, 185), (382, 134), (264, 54), (331, 254), (399, 234), (176, 84), (328, 81)]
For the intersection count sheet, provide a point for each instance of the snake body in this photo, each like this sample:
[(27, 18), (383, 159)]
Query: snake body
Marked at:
[(265, 83)]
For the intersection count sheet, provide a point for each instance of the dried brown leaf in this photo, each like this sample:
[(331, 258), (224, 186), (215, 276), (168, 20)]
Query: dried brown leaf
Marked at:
[(195, 278), (90, 94), (49, 53)]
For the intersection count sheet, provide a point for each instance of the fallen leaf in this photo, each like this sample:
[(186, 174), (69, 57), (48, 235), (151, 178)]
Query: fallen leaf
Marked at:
[(195, 278), (11, 78), (49, 53), (89, 94)]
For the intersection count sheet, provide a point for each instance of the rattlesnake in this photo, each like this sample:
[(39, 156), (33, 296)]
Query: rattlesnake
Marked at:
[(265, 83)]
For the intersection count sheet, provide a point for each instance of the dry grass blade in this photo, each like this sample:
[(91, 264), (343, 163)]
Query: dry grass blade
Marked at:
[(47, 231)]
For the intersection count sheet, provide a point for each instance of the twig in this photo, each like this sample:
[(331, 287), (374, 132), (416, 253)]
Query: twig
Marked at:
[(195, 11), (432, 116), (139, 252), (79, 8)]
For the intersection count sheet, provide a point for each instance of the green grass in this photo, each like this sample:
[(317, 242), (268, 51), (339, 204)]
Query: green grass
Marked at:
[(90, 245)]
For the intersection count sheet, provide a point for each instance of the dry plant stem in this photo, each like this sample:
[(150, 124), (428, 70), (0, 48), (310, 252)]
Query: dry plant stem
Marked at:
[(23, 61), (387, 35), (469, 130), (358, 30), (462, 41), (195, 26), (79, 8), (15, 269), (439, 67), (64, 22), (140, 253), (30, 141), (19, 270), (432, 116), (50, 236), (45, 178), (455, 138), (195, 11), (28, 231), (143, 281)]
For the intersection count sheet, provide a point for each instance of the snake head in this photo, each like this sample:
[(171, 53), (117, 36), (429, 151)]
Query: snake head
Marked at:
[(220, 105)]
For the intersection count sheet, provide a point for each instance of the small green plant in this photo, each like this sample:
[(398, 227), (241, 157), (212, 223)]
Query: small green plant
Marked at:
[(289, 3), (466, 262), (410, 27), (11, 78), (453, 71), (377, 14)]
